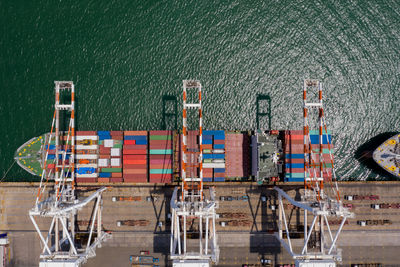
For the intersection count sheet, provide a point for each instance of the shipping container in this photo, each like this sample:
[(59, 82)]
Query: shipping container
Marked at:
[(116, 174), (219, 179), (213, 156), (213, 132), (160, 137), (116, 133), (160, 161), (116, 180), (140, 179), (160, 151), (135, 166), (131, 147), (135, 137), (85, 133), (85, 180), (160, 171), (103, 180), (135, 171), (130, 133), (111, 170), (134, 161), (161, 166), (207, 179), (134, 152), (104, 175), (129, 142), (140, 157), (166, 132)]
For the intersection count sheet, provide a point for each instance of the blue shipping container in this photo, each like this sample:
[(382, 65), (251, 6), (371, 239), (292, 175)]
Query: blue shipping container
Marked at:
[(207, 142), (219, 137), (295, 156), (213, 132), (294, 165), (294, 179), (103, 133), (207, 179), (141, 142), (219, 170), (213, 156), (315, 139), (104, 137), (219, 146), (105, 174), (207, 137), (219, 179)]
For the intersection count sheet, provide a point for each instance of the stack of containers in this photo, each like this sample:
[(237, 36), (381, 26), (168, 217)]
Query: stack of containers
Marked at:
[(135, 156), (237, 155), (294, 150), (52, 152), (214, 155), (161, 150), (86, 156), (110, 163)]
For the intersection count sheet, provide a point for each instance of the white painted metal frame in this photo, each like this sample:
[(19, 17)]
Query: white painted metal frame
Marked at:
[(192, 204), (329, 250), (205, 212), (62, 205)]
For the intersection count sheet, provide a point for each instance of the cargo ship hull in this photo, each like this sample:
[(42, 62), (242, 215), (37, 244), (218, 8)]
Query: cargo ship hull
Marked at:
[(387, 155), (155, 156)]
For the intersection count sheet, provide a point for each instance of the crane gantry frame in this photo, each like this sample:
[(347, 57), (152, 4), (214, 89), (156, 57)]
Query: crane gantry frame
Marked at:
[(315, 199), (191, 205), (62, 204)]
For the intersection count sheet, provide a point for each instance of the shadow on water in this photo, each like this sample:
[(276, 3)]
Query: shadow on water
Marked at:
[(169, 113), (364, 154), (263, 111)]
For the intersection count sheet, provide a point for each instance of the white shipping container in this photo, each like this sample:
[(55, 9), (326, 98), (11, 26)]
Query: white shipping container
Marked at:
[(86, 165), (115, 162), (83, 137), (103, 162), (91, 147), (218, 151), (86, 156), (108, 143), (86, 175), (213, 165), (115, 152)]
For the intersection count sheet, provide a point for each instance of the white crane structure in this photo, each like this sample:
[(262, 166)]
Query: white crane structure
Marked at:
[(190, 206), (59, 245), (320, 200)]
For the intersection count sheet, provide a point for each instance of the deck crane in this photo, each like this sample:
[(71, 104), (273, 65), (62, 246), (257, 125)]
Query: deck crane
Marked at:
[(320, 198), (60, 248), (190, 205)]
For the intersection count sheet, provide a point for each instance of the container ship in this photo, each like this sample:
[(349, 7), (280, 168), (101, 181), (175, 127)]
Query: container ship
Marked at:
[(155, 156), (387, 155)]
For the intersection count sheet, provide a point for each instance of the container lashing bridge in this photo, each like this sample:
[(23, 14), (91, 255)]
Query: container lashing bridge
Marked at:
[(190, 205), (320, 197), (60, 247)]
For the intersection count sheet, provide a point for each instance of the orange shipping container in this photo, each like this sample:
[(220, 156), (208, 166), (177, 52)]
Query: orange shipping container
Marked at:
[(135, 133), (135, 161), (135, 171)]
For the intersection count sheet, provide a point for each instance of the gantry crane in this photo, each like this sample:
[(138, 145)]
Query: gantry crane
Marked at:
[(321, 196), (60, 247), (190, 206)]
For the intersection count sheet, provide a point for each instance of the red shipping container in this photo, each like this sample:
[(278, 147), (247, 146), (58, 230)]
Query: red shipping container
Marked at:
[(86, 180), (160, 132), (135, 166), (294, 160), (161, 166), (134, 152), (160, 142), (116, 174), (135, 147), (152, 156), (140, 157), (85, 133), (104, 156), (160, 161), (135, 176), (135, 180), (129, 142), (51, 166), (135, 133), (116, 180), (105, 150), (116, 133), (134, 161), (135, 171), (219, 174), (103, 180), (219, 142), (295, 132)]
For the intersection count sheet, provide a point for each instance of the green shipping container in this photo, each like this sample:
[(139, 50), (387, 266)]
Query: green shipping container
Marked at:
[(117, 145), (160, 171), (111, 169), (160, 137), (316, 132), (160, 151), (207, 151), (324, 151), (207, 160)]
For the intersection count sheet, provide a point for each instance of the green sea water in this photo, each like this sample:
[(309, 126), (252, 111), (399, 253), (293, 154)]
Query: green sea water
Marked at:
[(128, 59)]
